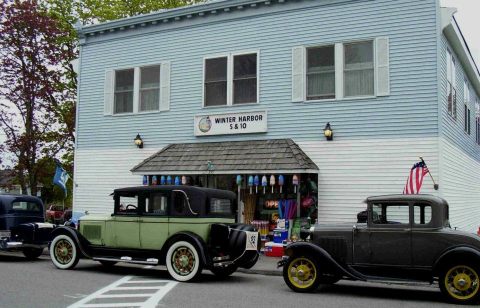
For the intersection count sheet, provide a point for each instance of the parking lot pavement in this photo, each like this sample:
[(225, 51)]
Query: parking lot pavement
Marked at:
[(130, 291)]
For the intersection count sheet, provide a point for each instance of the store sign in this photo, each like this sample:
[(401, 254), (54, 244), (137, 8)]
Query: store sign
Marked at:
[(231, 123)]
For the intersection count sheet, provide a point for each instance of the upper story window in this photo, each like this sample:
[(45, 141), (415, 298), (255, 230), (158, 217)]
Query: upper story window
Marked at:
[(341, 70), (321, 73), (359, 69), (138, 89), (149, 88), (231, 80), (124, 91), (477, 117), (451, 85)]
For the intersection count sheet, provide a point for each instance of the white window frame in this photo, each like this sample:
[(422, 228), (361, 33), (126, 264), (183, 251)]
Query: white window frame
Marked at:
[(339, 71), (140, 87), (230, 56), (136, 89), (466, 108)]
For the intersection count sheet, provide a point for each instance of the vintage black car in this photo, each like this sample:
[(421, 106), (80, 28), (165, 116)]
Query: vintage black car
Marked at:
[(185, 228), (22, 226), (398, 238)]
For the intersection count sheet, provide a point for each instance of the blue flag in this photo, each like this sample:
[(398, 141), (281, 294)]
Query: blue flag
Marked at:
[(61, 177)]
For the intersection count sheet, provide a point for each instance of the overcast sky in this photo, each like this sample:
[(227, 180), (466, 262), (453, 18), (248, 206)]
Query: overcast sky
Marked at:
[(467, 18)]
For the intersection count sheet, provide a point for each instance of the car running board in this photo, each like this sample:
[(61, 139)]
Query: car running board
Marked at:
[(150, 261)]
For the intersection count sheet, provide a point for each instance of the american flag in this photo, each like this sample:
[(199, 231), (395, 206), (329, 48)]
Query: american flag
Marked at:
[(415, 179)]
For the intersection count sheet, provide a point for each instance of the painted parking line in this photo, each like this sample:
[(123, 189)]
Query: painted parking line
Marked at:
[(130, 291)]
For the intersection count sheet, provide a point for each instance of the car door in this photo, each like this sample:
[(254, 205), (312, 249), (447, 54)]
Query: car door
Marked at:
[(154, 220), (125, 220), (390, 234)]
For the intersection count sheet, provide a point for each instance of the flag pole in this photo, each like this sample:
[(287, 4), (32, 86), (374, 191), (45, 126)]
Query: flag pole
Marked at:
[(435, 185)]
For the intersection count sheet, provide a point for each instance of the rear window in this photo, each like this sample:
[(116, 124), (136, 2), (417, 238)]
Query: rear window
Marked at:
[(24, 206), (220, 207)]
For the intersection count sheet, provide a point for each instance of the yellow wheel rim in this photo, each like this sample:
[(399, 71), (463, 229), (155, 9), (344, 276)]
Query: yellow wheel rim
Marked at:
[(302, 273), (462, 282)]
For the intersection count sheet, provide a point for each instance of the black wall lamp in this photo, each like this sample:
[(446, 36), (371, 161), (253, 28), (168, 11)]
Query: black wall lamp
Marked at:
[(328, 132), (138, 141)]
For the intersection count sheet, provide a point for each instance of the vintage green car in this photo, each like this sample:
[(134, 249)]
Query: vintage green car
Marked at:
[(185, 228)]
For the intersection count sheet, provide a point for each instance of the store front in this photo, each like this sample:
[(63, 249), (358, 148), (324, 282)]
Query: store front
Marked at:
[(275, 181)]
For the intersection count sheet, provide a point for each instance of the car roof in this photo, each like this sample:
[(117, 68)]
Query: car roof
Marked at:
[(11, 197), (190, 190), (406, 198)]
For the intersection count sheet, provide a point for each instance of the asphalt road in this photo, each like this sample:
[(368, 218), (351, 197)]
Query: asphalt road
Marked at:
[(40, 284)]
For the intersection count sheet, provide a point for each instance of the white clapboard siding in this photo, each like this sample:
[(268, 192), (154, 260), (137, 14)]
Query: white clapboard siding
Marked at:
[(351, 171), (461, 182), (100, 171)]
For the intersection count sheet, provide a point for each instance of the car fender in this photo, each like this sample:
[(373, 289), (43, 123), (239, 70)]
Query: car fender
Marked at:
[(457, 254), (81, 242), (191, 238), (322, 255)]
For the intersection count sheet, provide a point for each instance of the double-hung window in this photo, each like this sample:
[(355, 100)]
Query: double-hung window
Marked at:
[(477, 118), (321, 73), (345, 70), (149, 88), (466, 102), (124, 82), (451, 85), (137, 89), (231, 80), (358, 69)]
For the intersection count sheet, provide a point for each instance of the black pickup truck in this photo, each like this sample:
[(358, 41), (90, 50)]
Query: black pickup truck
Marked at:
[(22, 225), (398, 238)]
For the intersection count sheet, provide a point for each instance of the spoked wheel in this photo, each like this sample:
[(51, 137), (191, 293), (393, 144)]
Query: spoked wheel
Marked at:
[(64, 252), (301, 273), (183, 262), (460, 283)]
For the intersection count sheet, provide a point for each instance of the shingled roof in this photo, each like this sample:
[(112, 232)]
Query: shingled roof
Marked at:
[(272, 156)]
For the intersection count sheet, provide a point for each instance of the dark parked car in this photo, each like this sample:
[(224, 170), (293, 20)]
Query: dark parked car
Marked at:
[(399, 237), (185, 228), (22, 226), (55, 214)]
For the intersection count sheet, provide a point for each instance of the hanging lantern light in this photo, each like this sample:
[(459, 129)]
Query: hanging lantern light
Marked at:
[(184, 180), (250, 183), (169, 180), (154, 180), (264, 183), (281, 181), (295, 182), (272, 182), (177, 180), (256, 181), (163, 180)]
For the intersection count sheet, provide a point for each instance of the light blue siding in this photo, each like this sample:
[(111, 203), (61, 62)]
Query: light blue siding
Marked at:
[(453, 130), (410, 110)]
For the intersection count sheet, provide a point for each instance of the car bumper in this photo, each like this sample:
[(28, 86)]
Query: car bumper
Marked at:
[(7, 245)]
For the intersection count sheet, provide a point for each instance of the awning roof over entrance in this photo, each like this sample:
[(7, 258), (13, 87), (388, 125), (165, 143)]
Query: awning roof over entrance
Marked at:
[(256, 156)]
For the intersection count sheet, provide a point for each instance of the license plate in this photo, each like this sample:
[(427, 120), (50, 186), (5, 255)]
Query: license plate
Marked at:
[(252, 240)]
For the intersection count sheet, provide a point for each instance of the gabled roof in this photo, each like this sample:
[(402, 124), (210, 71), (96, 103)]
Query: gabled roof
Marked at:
[(232, 157)]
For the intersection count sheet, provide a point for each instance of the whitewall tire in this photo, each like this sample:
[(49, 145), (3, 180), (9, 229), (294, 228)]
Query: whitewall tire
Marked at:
[(64, 252), (183, 262)]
